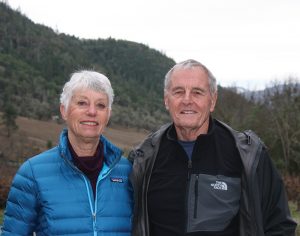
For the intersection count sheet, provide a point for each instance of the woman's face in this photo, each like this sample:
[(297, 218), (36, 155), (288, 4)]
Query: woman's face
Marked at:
[(87, 114)]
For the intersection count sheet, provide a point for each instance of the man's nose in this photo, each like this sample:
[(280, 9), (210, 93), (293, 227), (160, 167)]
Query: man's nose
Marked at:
[(187, 97)]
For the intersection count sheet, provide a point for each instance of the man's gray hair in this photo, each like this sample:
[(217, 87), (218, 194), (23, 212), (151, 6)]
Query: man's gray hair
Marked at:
[(86, 79), (190, 63)]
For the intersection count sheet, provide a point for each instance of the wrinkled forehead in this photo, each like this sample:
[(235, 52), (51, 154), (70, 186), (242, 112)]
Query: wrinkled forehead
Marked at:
[(196, 75)]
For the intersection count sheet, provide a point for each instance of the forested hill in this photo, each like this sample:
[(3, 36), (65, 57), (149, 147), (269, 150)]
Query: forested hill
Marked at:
[(35, 61)]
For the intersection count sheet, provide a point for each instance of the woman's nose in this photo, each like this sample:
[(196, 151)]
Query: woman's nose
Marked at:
[(92, 110)]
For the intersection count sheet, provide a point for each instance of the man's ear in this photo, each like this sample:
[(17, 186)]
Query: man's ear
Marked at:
[(63, 111), (214, 98), (166, 102)]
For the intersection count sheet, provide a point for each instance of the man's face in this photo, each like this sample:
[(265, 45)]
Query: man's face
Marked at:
[(87, 114), (189, 100)]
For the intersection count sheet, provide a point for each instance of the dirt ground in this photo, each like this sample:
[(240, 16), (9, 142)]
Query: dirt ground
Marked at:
[(43, 131), (34, 136)]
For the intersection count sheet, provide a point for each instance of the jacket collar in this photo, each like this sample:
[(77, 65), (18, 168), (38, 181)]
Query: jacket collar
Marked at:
[(172, 135), (112, 153)]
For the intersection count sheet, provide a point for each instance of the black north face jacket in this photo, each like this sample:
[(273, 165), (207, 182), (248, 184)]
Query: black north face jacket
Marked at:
[(263, 206)]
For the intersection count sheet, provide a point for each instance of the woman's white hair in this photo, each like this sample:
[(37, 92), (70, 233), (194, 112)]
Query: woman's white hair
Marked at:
[(86, 79)]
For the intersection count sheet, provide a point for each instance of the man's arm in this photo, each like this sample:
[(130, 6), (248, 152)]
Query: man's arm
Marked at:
[(277, 219)]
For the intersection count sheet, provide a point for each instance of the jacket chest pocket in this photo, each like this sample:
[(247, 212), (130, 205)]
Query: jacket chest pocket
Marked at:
[(213, 201)]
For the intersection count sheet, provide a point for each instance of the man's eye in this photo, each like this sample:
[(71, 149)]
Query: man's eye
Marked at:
[(178, 92), (198, 92)]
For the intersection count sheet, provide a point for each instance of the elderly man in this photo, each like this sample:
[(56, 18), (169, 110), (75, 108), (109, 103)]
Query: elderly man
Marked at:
[(199, 177)]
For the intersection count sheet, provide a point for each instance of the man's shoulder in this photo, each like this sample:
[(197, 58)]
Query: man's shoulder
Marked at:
[(244, 136), (154, 137), (149, 143)]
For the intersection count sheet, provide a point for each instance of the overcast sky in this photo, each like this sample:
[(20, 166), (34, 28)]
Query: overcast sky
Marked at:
[(246, 43)]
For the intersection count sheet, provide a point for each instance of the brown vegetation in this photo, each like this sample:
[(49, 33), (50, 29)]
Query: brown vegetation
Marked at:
[(292, 184)]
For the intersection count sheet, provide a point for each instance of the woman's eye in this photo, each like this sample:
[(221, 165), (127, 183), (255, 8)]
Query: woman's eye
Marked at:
[(81, 103), (101, 106)]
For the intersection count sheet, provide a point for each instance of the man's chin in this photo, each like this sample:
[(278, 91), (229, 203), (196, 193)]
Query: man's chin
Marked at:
[(186, 125)]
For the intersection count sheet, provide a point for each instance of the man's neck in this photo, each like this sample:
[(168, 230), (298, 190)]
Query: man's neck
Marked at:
[(190, 134)]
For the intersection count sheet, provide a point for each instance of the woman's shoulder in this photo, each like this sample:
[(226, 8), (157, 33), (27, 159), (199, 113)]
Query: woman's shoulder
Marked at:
[(124, 165), (125, 162), (41, 161), (49, 155)]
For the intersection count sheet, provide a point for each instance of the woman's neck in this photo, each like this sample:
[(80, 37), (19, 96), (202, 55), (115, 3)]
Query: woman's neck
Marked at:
[(84, 147)]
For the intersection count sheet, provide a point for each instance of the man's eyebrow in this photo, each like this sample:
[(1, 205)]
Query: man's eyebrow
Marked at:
[(199, 89), (177, 87)]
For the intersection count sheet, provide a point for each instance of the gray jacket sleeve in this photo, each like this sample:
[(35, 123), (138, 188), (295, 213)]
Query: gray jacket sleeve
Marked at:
[(277, 219)]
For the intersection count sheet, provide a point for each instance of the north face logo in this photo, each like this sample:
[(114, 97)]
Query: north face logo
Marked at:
[(219, 185)]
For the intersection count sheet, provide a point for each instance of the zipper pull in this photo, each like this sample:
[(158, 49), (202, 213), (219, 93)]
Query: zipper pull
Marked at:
[(94, 216), (190, 164)]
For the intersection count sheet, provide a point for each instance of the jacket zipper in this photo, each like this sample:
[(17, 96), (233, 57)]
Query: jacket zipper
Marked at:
[(189, 166), (90, 197), (196, 197), (93, 207), (88, 187)]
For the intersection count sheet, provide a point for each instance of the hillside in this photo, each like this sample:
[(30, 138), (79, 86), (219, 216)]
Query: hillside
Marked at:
[(35, 61)]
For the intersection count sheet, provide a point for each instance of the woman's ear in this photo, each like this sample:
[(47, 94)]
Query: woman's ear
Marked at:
[(63, 111), (109, 115)]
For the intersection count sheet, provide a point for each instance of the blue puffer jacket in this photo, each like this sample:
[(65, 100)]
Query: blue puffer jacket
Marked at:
[(50, 196)]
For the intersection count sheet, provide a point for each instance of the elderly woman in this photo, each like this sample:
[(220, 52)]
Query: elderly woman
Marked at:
[(79, 187)]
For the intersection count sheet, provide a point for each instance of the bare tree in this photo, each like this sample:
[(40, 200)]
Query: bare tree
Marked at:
[(283, 103)]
